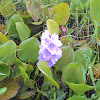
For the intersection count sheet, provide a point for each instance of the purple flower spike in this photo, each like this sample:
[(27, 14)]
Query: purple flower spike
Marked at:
[(50, 48), (63, 29)]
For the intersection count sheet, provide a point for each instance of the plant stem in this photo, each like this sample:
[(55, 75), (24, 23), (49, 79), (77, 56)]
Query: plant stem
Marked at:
[(52, 91), (70, 92)]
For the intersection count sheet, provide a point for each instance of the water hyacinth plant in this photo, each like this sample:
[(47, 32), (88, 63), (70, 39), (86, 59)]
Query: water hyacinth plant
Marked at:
[(49, 49)]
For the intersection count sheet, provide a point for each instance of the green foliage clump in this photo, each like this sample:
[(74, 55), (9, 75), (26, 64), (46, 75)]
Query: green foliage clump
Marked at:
[(75, 76)]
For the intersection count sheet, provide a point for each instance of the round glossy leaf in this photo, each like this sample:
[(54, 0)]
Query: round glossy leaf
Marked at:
[(34, 9), (3, 38), (23, 30), (43, 67), (53, 27), (60, 13), (79, 88), (95, 9), (8, 52), (4, 71), (74, 73), (11, 27), (26, 94), (3, 90), (68, 56), (29, 50), (77, 98), (12, 89), (83, 56), (7, 8)]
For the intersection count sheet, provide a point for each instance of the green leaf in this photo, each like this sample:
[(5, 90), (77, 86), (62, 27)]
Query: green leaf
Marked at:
[(4, 71), (53, 27), (97, 85), (12, 89), (95, 10), (20, 63), (45, 11), (96, 70), (93, 96), (98, 99), (34, 9), (77, 98), (24, 88), (11, 27), (60, 13), (8, 52), (24, 74), (3, 90), (29, 50), (17, 64), (3, 38), (23, 30), (68, 56), (2, 74), (67, 41), (29, 68), (79, 88), (77, 6), (43, 93), (7, 8), (38, 23), (74, 73), (26, 94), (61, 95), (83, 56), (43, 67), (25, 15)]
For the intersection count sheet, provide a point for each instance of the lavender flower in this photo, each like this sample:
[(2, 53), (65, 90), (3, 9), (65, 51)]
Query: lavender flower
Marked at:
[(50, 48)]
